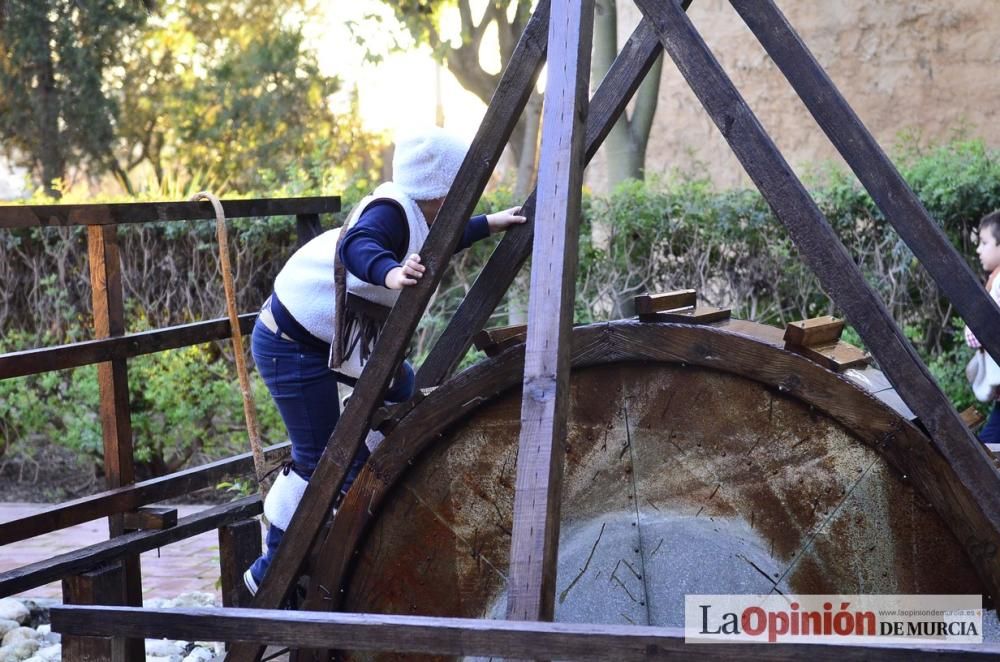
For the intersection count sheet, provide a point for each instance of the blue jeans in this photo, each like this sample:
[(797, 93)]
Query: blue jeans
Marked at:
[(305, 391), (990, 433)]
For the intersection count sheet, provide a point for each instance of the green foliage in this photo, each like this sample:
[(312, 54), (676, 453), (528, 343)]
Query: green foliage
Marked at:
[(662, 234), (55, 109), (185, 406)]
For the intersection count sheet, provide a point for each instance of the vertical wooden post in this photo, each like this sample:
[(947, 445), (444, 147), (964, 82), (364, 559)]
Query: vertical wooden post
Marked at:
[(516, 84), (239, 546), (101, 586), (307, 227), (532, 582), (116, 418)]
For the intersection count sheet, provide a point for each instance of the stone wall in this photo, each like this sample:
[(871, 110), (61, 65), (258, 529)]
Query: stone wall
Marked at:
[(924, 66)]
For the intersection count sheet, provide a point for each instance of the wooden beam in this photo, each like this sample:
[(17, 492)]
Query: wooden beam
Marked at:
[(516, 85), (627, 72), (150, 518), (129, 544), (28, 216), (876, 172), (538, 494), (814, 331), (133, 496), (239, 546), (112, 378), (307, 227), (838, 274), (88, 352), (100, 586), (459, 636)]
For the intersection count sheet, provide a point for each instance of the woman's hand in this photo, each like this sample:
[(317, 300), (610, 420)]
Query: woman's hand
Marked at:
[(502, 220), (406, 275)]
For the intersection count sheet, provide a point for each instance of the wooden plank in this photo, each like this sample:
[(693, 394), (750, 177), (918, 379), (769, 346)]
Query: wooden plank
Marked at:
[(972, 418), (655, 303), (101, 586), (538, 493), (816, 331), (307, 227), (239, 546), (836, 270), (836, 356), (516, 85), (616, 90), (133, 496), (74, 355), (150, 517), (112, 378), (27, 216), (874, 169), (43, 572), (699, 314), (459, 636)]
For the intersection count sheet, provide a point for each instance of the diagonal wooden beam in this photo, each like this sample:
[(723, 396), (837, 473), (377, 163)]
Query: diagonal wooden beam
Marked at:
[(837, 272), (879, 176), (531, 586), (616, 90), (512, 93)]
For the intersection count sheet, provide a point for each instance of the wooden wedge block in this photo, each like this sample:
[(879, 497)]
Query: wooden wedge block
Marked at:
[(972, 418), (495, 340), (816, 331), (646, 304), (150, 518), (699, 314), (837, 356)]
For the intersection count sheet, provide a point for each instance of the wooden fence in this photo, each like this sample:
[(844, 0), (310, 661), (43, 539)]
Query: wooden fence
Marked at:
[(109, 572)]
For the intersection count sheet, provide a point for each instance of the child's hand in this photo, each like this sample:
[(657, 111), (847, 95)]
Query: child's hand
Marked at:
[(406, 275), (502, 220)]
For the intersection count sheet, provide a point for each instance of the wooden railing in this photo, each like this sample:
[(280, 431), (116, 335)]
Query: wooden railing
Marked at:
[(109, 572)]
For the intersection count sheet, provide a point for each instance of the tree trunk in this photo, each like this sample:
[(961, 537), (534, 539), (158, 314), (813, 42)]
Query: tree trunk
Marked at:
[(625, 146), (47, 100), (529, 147)]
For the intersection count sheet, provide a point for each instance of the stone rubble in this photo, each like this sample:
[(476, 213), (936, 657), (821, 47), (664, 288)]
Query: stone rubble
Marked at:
[(26, 634)]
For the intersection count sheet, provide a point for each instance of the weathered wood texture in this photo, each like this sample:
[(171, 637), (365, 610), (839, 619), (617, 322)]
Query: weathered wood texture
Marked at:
[(456, 636), (26, 216), (101, 586), (74, 355), (239, 546), (307, 227), (150, 517), (736, 347), (512, 94), (655, 303), (538, 493), (130, 497), (615, 91), (836, 270), (124, 546), (815, 331), (112, 378), (876, 172)]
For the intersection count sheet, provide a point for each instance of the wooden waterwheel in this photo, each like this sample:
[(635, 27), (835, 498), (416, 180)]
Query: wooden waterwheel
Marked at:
[(699, 459)]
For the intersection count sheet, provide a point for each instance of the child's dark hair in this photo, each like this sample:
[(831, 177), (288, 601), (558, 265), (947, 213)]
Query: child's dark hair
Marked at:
[(992, 222)]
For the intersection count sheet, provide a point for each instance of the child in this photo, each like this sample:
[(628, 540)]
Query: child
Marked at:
[(988, 251), (320, 324)]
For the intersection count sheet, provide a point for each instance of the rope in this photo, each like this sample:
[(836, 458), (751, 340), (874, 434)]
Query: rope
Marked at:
[(249, 408)]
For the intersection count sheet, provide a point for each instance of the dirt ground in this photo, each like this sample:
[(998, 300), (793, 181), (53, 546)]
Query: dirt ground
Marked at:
[(55, 475)]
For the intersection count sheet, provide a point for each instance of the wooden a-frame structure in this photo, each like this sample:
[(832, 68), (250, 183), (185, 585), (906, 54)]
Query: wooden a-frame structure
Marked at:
[(573, 131)]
